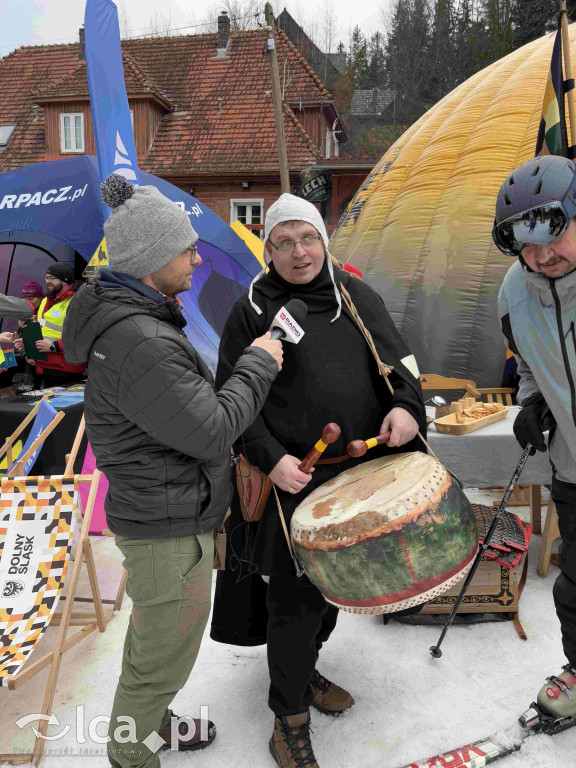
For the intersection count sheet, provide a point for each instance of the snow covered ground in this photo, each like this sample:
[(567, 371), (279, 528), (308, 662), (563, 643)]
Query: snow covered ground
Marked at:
[(408, 705)]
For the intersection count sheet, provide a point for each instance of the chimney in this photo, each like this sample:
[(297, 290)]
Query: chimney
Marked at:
[(82, 51), (223, 35)]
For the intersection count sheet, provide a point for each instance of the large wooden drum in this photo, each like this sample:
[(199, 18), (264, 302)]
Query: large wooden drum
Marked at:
[(386, 535)]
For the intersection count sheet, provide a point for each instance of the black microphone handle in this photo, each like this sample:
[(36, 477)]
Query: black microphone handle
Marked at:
[(278, 334)]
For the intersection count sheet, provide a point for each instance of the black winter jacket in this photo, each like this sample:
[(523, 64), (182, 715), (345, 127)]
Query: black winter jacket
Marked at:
[(158, 429)]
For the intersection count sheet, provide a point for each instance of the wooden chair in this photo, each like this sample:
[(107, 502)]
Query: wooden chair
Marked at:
[(15, 669), (502, 395), (48, 419), (434, 381), (522, 495), (550, 534)]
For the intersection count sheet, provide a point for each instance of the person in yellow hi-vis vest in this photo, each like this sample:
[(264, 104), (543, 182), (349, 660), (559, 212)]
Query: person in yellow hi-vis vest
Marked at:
[(60, 290)]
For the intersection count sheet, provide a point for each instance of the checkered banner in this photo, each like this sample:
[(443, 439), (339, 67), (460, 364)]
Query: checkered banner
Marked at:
[(36, 530)]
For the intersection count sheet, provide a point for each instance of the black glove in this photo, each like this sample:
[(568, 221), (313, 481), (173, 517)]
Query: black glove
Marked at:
[(533, 420)]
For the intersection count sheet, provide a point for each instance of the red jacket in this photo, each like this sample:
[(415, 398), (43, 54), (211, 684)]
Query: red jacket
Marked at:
[(55, 361)]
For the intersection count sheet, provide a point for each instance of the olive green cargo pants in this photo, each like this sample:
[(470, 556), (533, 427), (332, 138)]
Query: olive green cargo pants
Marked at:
[(169, 581)]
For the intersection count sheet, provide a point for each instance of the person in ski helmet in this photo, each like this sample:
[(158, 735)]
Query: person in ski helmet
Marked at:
[(536, 225)]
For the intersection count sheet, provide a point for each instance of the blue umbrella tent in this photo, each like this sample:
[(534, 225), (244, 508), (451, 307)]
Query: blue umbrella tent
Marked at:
[(49, 211)]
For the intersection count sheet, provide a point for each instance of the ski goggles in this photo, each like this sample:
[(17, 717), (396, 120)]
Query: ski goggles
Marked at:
[(536, 226)]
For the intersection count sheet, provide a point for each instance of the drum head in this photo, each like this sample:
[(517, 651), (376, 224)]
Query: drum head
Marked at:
[(386, 535)]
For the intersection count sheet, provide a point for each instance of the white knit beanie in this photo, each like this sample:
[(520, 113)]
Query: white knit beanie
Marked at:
[(291, 208)]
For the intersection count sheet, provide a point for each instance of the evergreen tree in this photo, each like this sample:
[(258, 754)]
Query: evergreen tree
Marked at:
[(407, 59), (376, 74), (442, 51), (498, 15), (470, 38), (533, 18), (357, 65)]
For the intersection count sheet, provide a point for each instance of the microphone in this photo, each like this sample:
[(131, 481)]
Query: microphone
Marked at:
[(286, 323)]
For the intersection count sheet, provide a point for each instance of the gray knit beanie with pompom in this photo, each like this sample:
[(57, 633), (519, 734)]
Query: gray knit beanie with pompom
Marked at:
[(145, 231)]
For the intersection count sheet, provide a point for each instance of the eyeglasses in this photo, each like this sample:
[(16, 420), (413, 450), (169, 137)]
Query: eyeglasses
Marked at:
[(287, 246), (536, 226)]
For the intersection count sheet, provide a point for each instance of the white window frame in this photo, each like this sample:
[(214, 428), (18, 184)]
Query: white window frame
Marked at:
[(10, 128), (336, 145), (248, 201), (75, 149)]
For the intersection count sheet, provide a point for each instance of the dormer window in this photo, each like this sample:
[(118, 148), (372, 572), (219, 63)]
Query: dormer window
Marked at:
[(72, 132), (6, 131)]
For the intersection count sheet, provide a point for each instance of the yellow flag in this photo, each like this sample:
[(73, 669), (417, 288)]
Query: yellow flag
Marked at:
[(252, 241), (16, 451), (99, 259)]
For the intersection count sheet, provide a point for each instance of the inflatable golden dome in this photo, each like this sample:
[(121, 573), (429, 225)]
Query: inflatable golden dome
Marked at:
[(420, 225)]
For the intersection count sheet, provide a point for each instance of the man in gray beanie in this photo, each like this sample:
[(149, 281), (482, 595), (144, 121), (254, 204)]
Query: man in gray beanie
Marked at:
[(162, 436), (329, 376)]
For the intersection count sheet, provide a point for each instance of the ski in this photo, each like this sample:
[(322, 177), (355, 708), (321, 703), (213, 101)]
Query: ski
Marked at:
[(505, 742)]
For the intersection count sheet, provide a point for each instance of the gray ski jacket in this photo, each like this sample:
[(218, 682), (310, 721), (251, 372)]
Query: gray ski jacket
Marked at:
[(15, 308), (158, 429), (537, 315)]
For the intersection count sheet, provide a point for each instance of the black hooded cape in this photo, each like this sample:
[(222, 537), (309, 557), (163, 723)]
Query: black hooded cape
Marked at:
[(330, 375)]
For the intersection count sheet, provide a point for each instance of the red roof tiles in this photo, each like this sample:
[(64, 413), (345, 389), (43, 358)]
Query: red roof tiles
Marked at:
[(222, 120), (75, 83)]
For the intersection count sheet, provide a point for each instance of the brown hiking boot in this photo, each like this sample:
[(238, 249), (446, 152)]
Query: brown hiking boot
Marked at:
[(329, 698), (290, 744)]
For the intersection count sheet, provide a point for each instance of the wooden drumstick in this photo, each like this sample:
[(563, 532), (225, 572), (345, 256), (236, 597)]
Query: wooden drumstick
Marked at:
[(358, 448), (330, 434)]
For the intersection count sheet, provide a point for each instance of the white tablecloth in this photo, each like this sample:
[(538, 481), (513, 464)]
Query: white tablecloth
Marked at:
[(489, 455)]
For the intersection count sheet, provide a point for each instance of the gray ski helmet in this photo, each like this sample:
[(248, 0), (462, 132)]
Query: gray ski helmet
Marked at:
[(538, 181)]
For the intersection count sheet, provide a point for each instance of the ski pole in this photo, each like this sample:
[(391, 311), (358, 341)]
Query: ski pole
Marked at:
[(435, 649)]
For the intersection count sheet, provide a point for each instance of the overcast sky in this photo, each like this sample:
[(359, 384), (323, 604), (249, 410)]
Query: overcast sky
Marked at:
[(30, 22)]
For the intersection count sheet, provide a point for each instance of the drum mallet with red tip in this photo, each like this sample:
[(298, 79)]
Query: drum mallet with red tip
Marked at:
[(358, 448), (330, 434)]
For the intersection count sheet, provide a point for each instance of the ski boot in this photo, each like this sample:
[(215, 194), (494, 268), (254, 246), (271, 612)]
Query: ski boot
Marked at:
[(555, 708), (557, 696)]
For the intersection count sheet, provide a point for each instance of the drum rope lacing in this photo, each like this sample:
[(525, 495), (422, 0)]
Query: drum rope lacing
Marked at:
[(383, 368)]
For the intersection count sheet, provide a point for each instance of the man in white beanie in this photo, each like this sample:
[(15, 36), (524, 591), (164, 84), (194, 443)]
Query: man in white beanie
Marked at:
[(162, 436), (329, 376)]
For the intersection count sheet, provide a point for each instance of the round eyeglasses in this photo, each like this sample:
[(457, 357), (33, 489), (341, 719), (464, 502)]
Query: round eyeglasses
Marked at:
[(287, 246)]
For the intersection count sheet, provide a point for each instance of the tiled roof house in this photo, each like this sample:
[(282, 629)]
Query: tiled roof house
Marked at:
[(202, 113)]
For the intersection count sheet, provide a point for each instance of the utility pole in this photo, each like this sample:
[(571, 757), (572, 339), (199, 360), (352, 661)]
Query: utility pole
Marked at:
[(277, 99)]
